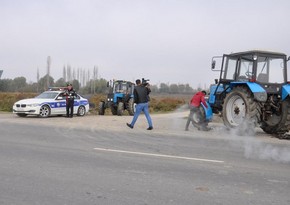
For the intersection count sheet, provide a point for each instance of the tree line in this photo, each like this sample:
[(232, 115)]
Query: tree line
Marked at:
[(93, 86)]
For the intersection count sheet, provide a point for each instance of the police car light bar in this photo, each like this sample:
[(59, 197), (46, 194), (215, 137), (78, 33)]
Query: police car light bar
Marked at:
[(57, 88)]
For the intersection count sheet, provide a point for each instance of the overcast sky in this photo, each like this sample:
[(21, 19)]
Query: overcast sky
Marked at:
[(169, 41)]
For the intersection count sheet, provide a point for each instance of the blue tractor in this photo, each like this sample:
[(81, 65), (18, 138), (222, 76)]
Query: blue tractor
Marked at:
[(252, 89), (119, 98)]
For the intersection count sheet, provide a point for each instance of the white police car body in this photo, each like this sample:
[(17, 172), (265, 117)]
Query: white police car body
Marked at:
[(50, 103)]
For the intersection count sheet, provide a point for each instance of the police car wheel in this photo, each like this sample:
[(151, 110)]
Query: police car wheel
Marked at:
[(81, 111), (44, 111)]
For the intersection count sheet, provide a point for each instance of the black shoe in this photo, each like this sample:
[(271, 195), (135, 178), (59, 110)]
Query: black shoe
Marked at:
[(129, 125), (150, 128)]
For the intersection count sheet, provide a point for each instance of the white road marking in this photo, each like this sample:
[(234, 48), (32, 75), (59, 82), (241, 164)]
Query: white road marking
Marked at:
[(158, 155)]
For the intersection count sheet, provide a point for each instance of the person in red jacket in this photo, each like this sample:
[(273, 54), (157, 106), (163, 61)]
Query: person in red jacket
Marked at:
[(194, 106)]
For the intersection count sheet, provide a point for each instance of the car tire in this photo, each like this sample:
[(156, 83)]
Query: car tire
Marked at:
[(81, 111), (44, 111)]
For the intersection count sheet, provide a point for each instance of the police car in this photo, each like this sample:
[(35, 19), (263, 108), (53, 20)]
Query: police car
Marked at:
[(48, 103)]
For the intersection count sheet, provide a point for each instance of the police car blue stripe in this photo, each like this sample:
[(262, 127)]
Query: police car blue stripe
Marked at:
[(63, 104)]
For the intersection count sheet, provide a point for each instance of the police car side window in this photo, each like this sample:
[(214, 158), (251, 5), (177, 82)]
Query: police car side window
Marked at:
[(77, 97), (60, 96)]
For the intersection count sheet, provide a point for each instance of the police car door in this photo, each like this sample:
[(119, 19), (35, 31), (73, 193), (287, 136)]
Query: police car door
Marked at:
[(60, 104), (76, 103)]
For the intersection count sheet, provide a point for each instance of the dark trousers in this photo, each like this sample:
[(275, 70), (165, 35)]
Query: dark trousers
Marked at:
[(190, 116), (70, 108)]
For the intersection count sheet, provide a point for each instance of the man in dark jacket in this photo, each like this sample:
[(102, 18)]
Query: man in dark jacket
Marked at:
[(70, 96), (141, 98)]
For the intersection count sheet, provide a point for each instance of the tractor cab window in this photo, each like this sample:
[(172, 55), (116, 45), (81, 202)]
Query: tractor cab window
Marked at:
[(124, 88), (245, 70), (229, 68), (238, 68), (120, 87), (270, 70), (117, 87)]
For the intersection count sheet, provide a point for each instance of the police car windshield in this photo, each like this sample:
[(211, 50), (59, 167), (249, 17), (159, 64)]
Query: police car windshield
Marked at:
[(47, 95)]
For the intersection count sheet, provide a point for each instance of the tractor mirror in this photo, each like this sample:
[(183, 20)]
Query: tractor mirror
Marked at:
[(213, 64), (288, 58), (216, 81)]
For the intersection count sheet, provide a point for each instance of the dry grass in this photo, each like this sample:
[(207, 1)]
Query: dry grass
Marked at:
[(8, 99)]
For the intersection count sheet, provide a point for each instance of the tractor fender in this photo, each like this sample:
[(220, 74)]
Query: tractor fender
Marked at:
[(258, 91), (208, 112), (285, 91)]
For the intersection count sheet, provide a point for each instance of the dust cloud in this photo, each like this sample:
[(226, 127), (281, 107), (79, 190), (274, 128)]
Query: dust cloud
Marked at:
[(254, 148), (251, 140)]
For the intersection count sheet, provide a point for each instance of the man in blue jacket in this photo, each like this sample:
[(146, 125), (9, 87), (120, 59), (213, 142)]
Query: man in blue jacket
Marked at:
[(141, 98)]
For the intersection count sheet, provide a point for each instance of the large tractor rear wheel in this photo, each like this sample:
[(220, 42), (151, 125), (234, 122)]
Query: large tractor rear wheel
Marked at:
[(278, 123), (241, 111), (101, 108), (131, 107), (120, 108)]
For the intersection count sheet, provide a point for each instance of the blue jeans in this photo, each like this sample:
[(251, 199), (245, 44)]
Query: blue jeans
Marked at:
[(139, 108)]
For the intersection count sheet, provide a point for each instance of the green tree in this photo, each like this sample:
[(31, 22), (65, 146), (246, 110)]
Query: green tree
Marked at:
[(19, 84), (188, 89), (31, 87), (43, 83), (164, 88), (6, 85), (60, 83), (154, 88), (76, 85), (173, 88), (101, 86), (181, 88)]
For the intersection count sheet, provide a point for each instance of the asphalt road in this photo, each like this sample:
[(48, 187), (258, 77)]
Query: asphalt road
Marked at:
[(98, 160)]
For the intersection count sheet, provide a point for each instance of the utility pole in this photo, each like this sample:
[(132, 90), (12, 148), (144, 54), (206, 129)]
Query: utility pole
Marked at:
[(95, 77), (37, 77), (48, 70)]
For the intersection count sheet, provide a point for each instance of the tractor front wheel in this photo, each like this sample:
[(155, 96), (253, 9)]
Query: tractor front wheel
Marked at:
[(120, 108), (101, 108), (131, 107)]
